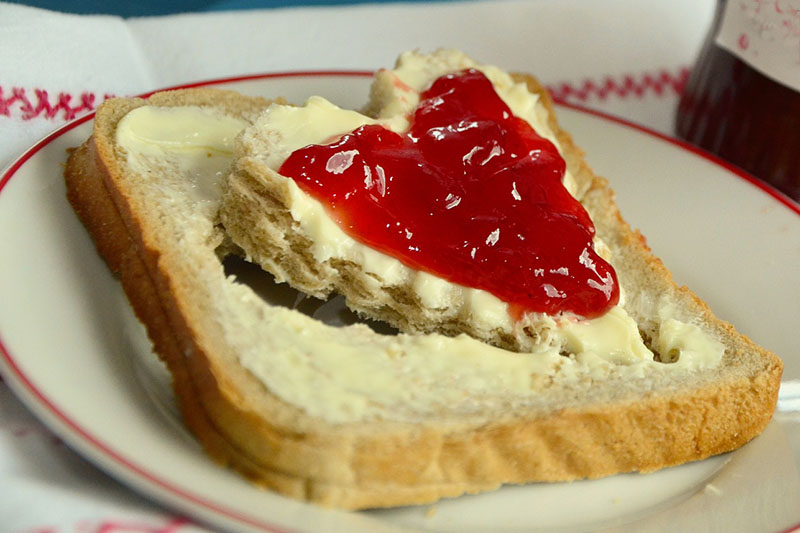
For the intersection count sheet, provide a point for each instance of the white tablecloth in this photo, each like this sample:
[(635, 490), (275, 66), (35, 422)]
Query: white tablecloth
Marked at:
[(623, 57)]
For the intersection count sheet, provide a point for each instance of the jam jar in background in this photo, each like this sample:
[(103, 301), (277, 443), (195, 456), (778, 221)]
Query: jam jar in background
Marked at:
[(742, 98)]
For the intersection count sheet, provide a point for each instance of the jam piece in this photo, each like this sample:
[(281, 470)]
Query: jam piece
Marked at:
[(470, 194)]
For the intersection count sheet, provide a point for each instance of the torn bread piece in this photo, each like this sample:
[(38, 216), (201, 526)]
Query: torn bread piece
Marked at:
[(292, 234), (347, 417)]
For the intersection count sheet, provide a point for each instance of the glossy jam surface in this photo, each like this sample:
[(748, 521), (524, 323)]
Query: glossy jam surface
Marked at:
[(470, 194)]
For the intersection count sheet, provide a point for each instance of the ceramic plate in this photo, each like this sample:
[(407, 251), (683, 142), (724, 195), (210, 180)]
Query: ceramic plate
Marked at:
[(72, 350)]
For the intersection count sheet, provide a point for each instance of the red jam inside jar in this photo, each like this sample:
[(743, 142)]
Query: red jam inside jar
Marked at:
[(471, 194), (734, 111)]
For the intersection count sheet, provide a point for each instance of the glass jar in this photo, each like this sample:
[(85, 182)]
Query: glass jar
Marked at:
[(742, 99)]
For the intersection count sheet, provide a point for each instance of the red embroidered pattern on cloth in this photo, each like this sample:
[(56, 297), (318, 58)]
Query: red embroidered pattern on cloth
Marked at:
[(27, 104), (20, 103), (119, 526), (167, 525), (659, 83)]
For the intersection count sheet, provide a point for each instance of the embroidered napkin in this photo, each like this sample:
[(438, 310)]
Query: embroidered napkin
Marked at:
[(622, 56)]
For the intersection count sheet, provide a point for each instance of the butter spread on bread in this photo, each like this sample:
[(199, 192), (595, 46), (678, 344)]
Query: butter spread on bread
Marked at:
[(198, 140)]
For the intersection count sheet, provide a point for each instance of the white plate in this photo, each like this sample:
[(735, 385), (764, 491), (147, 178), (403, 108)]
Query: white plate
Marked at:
[(72, 350)]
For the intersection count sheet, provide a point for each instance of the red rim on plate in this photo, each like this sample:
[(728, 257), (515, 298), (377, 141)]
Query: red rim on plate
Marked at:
[(82, 435)]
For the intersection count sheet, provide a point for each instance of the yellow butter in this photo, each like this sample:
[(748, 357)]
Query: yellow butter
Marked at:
[(196, 141)]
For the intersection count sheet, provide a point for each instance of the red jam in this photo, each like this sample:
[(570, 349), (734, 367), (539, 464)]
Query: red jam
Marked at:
[(470, 194), (731, 109)]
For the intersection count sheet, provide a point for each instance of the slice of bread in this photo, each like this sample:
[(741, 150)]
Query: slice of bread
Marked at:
[(313, 411), (258, 213)]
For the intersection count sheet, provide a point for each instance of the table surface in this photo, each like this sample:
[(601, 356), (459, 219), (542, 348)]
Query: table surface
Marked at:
[(143, 8)]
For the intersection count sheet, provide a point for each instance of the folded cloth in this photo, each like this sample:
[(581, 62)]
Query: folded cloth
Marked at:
[(623, 57)]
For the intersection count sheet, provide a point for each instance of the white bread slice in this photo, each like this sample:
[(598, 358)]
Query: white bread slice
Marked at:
[(203, 324), (258, 214)]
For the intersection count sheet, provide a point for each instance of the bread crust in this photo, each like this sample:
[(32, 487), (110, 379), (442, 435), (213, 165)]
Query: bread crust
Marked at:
[(386, 463)]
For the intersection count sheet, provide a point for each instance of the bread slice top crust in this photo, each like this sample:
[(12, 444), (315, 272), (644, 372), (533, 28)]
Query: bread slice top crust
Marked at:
[(203, 323)]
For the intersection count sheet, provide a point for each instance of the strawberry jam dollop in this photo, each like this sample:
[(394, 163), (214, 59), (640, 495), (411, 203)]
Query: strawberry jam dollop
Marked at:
[(471, 194)]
